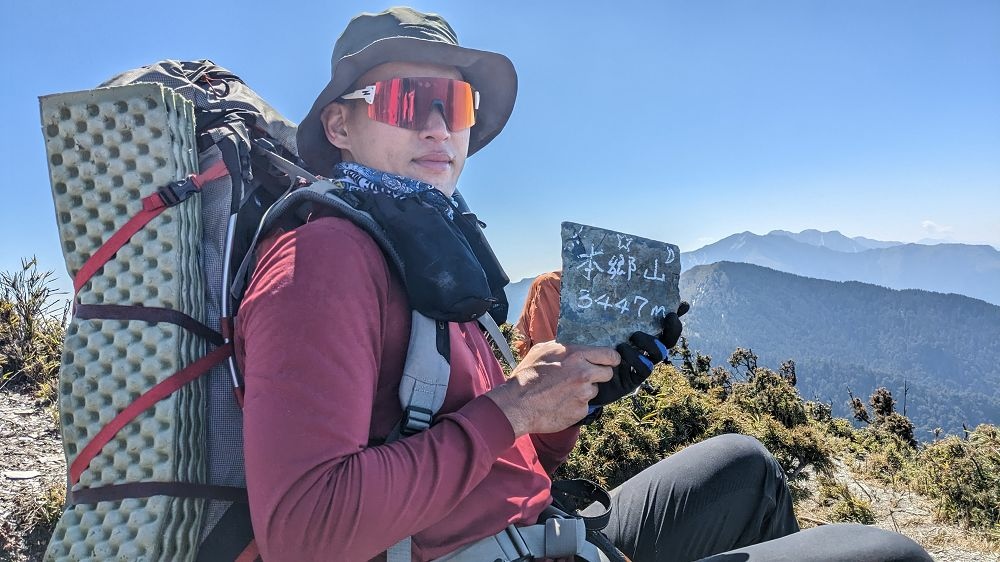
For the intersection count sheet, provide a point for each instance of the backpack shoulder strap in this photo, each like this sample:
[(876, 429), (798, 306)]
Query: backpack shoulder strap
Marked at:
[(490, 325), (425, 375)]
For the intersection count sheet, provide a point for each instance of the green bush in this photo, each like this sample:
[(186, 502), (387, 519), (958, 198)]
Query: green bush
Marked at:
[(636, 432), (847, 508), (884, 455), (32, 327), (767, 392), (964, 477)]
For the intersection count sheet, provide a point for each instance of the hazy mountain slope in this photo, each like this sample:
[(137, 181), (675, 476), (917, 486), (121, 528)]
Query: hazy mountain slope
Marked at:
[(963, 269), (853, 334)]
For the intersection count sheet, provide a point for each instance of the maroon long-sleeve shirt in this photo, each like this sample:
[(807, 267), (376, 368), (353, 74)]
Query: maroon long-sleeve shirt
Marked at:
[(322, 337)]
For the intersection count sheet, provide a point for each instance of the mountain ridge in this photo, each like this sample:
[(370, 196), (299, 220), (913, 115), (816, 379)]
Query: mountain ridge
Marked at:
[(964, 269), (848, 334)]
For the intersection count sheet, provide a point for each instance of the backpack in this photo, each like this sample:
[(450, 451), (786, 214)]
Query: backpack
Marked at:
[(150, 395)]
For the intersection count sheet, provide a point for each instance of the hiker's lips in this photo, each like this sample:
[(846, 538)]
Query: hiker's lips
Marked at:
[(435, 161)]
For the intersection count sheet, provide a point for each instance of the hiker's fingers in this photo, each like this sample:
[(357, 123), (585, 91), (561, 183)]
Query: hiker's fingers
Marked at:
[(654, 349), (588, 361), (672, 325), (602, 356), (550, 389)]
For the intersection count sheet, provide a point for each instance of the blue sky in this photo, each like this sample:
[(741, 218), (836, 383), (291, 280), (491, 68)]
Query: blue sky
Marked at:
[(678, 121)]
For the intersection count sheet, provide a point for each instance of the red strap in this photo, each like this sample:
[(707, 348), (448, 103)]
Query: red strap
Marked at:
[(160, 391), (152, 205), (214, 172), (250, 553)]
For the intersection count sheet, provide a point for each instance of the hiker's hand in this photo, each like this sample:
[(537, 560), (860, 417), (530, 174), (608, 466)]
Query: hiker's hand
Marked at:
[(639, 355), (550, 388)]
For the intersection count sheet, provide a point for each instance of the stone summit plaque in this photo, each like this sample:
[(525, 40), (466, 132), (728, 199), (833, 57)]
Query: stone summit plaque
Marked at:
[(614, 284)]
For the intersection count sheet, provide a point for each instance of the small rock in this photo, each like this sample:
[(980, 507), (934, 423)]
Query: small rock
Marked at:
[(21, 474), (25, 412)]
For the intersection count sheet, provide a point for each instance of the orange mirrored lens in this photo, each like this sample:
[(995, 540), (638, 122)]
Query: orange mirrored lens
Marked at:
[(408, 102)]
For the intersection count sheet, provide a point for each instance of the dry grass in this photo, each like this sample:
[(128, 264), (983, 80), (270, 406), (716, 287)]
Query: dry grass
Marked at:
[(896, 509), (32, 328)]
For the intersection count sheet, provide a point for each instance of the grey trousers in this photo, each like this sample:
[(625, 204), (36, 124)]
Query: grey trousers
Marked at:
[(726, 499)]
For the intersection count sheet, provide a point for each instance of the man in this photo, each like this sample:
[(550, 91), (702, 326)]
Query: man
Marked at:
[(323, 333)]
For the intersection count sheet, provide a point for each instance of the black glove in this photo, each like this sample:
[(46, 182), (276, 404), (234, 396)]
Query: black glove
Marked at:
[(639, 356)]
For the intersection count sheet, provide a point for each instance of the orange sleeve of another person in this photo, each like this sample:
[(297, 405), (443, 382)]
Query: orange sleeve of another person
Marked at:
[(541, 311)]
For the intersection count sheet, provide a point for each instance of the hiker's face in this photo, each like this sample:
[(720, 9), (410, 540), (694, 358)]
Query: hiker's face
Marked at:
[(432, 154)]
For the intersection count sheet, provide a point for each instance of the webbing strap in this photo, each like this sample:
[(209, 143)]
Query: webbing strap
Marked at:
[(151, 314), (487, 321), (115, 492), (575, 494), (283, 164), (556, 538), (152, 205), (161, 390)]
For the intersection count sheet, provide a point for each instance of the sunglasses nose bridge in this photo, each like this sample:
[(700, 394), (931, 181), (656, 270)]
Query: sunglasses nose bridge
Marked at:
[(437, 106)]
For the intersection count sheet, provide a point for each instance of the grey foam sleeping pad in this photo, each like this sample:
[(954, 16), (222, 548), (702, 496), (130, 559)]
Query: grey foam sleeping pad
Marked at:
[(107, 149)]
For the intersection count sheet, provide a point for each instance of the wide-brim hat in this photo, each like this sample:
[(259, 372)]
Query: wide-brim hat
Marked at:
[(406, 35)]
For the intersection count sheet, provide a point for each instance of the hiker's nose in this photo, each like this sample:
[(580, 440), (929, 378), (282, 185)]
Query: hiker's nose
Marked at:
[(436, 127)]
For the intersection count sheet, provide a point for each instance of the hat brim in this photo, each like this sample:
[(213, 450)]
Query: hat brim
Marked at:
[(492, 74)]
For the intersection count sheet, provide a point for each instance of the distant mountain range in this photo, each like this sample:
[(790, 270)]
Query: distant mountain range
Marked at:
[(842, 335), (970, 270), (857, 335), (834, 240), (852, 312), (931, 265)]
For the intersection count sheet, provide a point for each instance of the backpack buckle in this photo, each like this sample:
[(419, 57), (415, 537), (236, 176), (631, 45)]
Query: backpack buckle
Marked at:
[(415, 420), (178, 191)]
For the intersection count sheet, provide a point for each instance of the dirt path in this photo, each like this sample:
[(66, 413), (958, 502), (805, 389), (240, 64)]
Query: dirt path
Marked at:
[(31, 465)]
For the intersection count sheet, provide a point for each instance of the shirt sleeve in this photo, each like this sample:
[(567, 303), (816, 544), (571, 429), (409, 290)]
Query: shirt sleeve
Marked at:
[(312, 331), (554, 448)]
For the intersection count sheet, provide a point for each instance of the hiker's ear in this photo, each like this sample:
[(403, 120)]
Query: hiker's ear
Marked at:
[(334, 118)]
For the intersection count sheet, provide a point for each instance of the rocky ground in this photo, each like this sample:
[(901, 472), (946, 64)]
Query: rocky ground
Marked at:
[(33, 474)]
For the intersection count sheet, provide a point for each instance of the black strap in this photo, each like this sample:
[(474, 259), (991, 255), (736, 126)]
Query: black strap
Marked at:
[(604, 544), (151, 314), (575, 495), (115, 492), (230, 536)]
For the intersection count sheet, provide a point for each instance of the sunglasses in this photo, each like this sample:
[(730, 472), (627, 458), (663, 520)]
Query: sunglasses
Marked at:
[(408, 102)]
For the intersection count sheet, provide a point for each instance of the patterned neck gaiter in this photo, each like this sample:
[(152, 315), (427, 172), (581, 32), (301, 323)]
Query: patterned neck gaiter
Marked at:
[(357, 177), (449, 270)]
